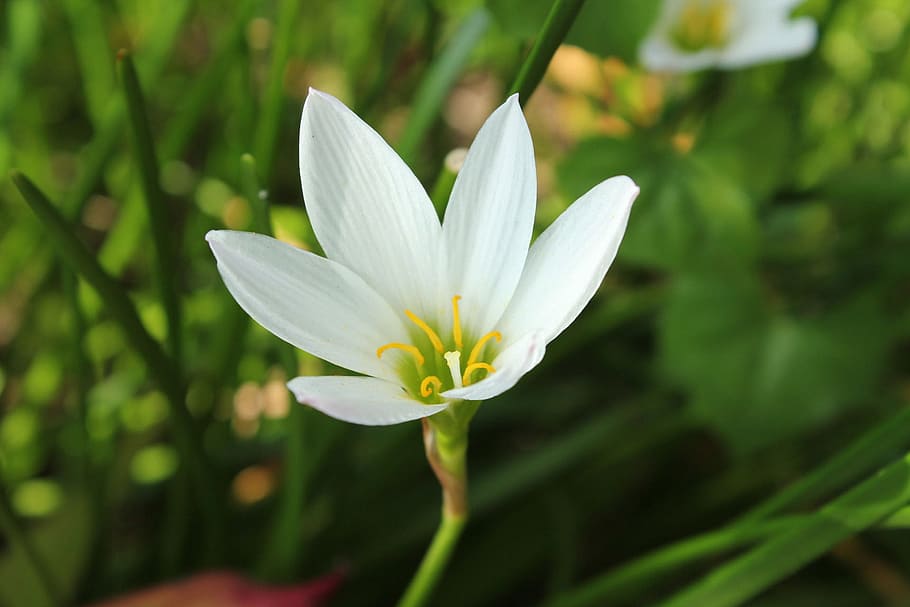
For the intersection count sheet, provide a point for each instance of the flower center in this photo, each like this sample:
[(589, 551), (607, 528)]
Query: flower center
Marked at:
[(702, 24), (431, 367)]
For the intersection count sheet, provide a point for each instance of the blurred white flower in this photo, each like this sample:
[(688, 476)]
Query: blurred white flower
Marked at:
[(430, 313), (691, 35)]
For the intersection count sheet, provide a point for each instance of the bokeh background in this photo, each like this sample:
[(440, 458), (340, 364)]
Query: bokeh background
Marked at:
[(753, 326)]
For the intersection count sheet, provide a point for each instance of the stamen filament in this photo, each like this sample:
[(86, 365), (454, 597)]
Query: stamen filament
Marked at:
[(434, 338), (412, 350), (478, 347), (454, 361), (456, 322), (425, 389), (474, 367)]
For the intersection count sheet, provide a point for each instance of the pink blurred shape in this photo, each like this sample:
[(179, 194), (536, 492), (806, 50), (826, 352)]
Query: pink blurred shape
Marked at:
[(225, 589)]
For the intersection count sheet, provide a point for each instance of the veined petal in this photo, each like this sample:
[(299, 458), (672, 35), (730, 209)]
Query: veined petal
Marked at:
[(512, 363), (488, 222), (367, 208), (569, 260), (309, 301), (360, 400)]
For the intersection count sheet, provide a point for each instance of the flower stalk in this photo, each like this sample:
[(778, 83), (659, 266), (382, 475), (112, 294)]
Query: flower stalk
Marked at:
[(555, 29), (445, 440)]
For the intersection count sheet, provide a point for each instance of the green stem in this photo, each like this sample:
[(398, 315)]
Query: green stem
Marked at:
[(446, 180), (282, 552), (21, 544), (434, 561), (555, 28), (445, 440)]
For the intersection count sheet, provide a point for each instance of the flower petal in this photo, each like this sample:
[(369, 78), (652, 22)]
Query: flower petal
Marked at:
[(360, 400), (569, 260), (759, 32), (512, 363), (658, 54), (310, 302), (367, 208), (488, 222), (769, 40)]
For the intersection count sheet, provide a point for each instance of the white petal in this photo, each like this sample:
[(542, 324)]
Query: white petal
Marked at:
[(311, 302), (512, 363), (760, 31), (658, 54), (569, 260), (490, 216), (367, 208), (360, 400), (770, 41)]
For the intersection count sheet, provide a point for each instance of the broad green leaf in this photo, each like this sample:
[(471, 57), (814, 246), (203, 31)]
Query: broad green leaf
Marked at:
[(63, 541), (757, 375), (688, 212)]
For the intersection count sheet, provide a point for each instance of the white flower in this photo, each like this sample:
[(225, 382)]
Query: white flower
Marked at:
[(430, 313), (692, 35)]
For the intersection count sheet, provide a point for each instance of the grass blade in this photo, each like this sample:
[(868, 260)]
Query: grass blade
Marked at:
[(78, 257), (856, 510), (160, 222), (647, 570), (863, 455), (439, 79), (270, 117), (160, 366)]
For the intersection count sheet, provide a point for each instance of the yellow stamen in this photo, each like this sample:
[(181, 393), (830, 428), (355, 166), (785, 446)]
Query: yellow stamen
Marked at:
[(412, 350), (478, 347), (456, 322), (473, 367), (434, 339), (425, 389)]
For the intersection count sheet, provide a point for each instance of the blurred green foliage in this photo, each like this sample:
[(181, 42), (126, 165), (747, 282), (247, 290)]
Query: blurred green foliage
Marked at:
[(754, 325)]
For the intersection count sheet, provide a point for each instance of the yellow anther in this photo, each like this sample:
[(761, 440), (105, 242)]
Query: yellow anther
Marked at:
[(473, 367), (478, 347), (434, 339), (456, 322), (412, 350), (425, 389)]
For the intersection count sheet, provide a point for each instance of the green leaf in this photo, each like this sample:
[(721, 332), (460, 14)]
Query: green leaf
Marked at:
[(757, 375), (688, 213), (70, 527), (749, 142)]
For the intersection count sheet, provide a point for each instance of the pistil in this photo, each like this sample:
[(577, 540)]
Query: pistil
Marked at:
[(453, 359)]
